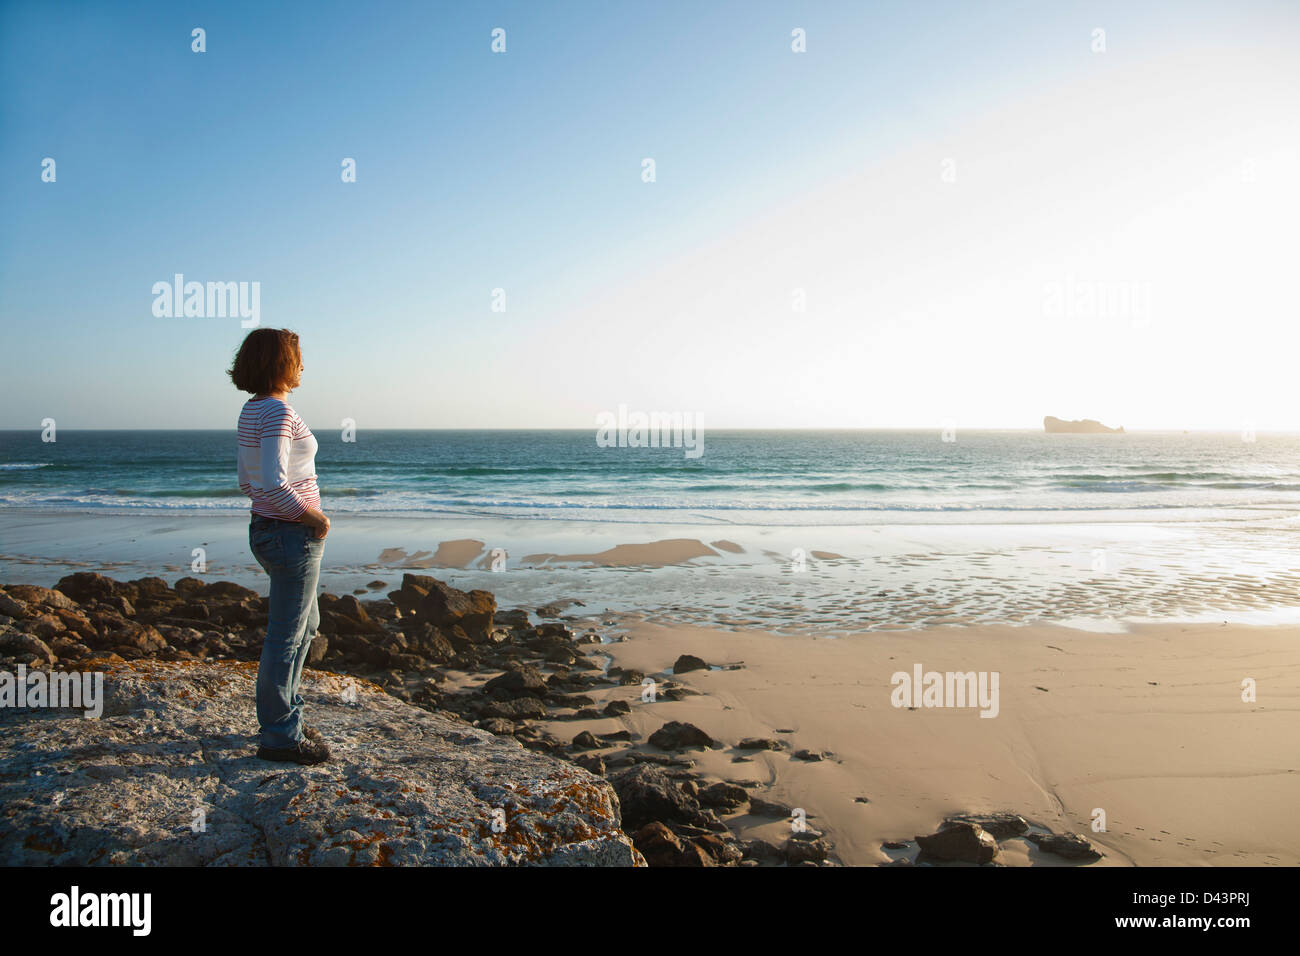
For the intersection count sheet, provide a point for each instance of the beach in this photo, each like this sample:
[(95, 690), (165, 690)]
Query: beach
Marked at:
[(1125, 604)]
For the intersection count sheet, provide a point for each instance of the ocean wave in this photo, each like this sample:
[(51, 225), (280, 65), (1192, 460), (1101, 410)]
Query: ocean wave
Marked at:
[(1125, 485), (1113, 487), (842, 486), (233, 493), (513, 507)]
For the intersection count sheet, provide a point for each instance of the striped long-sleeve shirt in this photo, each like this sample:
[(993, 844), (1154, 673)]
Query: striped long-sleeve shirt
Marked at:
[(277, 459)]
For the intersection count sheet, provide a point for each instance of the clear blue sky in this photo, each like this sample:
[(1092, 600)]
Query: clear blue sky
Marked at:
[(775, 170)]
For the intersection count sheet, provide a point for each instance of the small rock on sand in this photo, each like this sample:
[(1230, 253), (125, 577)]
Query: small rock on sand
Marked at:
[(687, 663), (959, 842), (676, 735)]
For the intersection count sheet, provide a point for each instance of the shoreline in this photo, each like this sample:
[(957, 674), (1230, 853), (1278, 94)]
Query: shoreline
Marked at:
[(848, 519), (831, 580)]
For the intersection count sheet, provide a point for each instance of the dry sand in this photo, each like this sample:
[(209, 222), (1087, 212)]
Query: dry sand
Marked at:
[(1149, 726)]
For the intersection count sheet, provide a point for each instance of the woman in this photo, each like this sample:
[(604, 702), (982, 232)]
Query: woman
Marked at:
[(277, 470)]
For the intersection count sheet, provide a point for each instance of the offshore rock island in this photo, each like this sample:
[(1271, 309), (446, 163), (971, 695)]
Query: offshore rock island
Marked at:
[(1084, 426)]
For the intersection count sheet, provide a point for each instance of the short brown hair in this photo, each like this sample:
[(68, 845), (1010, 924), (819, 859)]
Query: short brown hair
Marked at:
[(266, 362)]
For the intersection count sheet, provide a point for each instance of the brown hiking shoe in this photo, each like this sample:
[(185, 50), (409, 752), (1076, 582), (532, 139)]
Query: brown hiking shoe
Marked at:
[(307, 752)]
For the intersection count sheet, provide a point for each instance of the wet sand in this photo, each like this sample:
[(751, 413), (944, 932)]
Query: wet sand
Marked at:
[(826, 580)]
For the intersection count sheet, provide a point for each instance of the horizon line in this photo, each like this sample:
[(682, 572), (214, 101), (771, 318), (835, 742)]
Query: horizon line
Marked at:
[(724, 428)]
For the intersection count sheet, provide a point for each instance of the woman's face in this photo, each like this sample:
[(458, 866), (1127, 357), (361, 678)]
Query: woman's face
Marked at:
[(297, 376)]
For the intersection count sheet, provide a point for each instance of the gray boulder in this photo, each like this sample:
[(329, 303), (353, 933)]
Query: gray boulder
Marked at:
[(168, 776)]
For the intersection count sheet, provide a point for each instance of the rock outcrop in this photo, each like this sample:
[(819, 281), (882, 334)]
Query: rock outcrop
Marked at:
[(417, 645), (168, 776), (466, 615)]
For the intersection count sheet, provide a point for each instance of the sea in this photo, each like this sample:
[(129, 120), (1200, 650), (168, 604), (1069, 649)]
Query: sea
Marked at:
[(835, 531), (747, 477)]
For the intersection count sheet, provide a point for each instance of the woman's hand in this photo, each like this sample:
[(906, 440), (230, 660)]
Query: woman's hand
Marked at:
[(315, 519)]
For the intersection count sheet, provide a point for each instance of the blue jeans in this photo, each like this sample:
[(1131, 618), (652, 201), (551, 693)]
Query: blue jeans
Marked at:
[(290, 554)]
